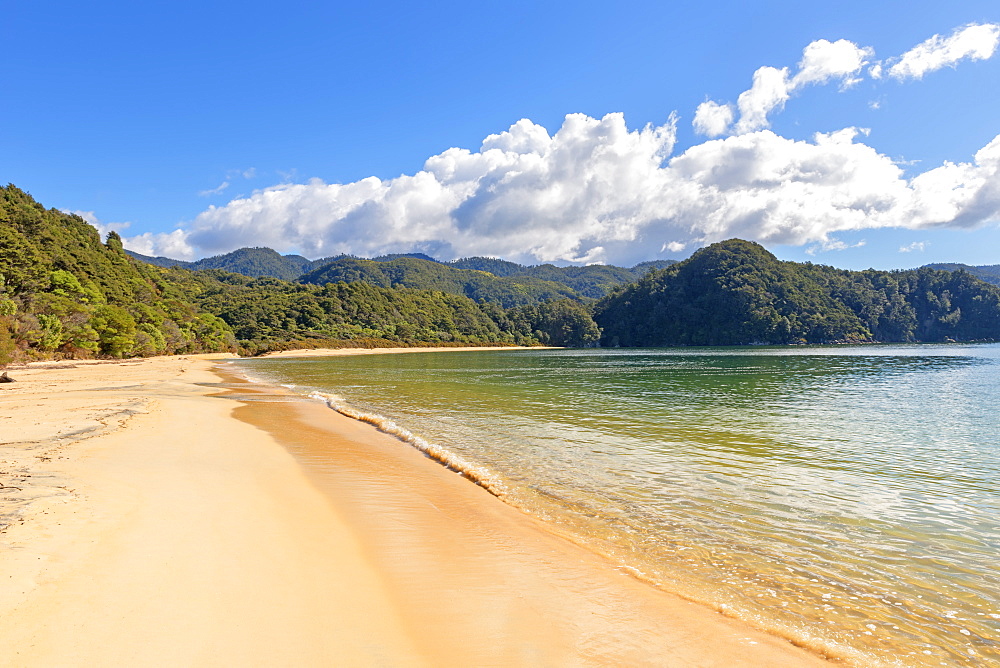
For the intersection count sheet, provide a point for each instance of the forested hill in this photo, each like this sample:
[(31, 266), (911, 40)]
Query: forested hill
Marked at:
[(63, 290), (479, 278), (408, 272), (989, 273), (254, 262), (65, 294), (735, 292), (592, 281)]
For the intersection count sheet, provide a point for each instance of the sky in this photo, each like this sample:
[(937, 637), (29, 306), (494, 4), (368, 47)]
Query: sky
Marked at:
[(854, 134)]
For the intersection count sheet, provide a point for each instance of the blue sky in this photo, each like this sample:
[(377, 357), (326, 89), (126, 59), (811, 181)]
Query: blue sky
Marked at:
[(196, 128)]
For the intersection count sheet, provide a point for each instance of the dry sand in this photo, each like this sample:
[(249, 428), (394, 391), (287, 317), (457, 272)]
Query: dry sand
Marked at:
[(142, 525)]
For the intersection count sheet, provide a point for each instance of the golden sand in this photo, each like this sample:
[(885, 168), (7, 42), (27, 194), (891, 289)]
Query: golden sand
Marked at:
[(146, 526)]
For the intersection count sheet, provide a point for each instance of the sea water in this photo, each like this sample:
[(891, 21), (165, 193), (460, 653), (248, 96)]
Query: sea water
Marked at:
[(847, 498)]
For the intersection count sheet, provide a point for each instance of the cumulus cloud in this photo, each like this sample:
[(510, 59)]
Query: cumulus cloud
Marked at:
[(822, 62), (167, 244), (712, 119), (916, 246), (972, 42), (841, 61), (596, 191), (769, 92)]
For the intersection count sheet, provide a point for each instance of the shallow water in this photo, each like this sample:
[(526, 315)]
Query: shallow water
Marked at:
[(845, 497)]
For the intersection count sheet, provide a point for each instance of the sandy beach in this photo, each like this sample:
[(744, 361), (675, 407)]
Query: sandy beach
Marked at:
[(165, 512)]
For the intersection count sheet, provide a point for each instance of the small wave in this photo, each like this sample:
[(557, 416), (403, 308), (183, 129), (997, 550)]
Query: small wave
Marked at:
[(477, 474)]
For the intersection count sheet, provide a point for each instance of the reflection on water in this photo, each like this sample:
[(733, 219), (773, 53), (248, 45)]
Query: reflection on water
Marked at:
[(847, 497)]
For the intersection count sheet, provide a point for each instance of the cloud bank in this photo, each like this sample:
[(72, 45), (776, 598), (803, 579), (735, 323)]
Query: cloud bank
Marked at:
[(597, 191)]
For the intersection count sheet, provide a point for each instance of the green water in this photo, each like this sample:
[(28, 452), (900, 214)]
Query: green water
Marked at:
[(845, 497)]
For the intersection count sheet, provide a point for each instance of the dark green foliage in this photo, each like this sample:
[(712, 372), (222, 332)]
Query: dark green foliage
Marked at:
[(263, 311), (423, 274), (490, 279), (63, 292), (257, 262), (491, 265), (386, 258), (593, 281), (558, 323), (253, 262), (989, 273), (735, 292)]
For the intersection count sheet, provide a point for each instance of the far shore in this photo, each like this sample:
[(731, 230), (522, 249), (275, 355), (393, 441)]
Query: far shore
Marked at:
[(166, 512), (335, 352)]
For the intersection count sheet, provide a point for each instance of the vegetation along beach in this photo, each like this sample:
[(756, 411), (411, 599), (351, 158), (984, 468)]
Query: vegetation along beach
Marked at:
[(508, 334)]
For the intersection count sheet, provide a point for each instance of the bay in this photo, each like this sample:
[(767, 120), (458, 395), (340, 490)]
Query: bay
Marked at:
[(844, 497)]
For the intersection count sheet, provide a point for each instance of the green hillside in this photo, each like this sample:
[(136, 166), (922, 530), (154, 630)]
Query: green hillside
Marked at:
[(268, 313), (63, 291), (409, 272), (989, 273), (735, 292), (254, 262), (508, 283)]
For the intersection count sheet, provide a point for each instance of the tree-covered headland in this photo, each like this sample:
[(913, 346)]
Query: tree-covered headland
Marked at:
[(736, 293), (65, 293)]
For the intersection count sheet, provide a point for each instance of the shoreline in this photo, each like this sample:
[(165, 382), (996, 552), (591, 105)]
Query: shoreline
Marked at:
[(337, 352), (173, 533)]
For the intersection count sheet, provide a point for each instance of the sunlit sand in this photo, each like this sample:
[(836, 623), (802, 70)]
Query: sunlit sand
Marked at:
[(147, 526)]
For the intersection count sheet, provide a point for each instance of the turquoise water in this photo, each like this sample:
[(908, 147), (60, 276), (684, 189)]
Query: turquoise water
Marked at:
[(844, 497)]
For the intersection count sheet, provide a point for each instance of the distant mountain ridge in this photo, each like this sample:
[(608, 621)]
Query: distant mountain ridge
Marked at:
[(253, 262), (987, 272), (480, 278)]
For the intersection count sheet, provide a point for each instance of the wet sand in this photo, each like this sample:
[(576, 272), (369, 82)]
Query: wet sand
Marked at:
[(144, 525)]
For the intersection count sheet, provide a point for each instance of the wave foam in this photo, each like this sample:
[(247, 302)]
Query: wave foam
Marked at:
[(477, 474)]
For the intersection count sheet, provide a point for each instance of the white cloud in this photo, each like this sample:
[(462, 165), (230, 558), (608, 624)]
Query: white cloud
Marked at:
[(712, 119), (822, 62), (167, 244), (231, 175), (843, 61), (88, 216), (918, 246), (972, 42), (102, 228), (217, 190), (595, 191), (769, 92), (833, 245)]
